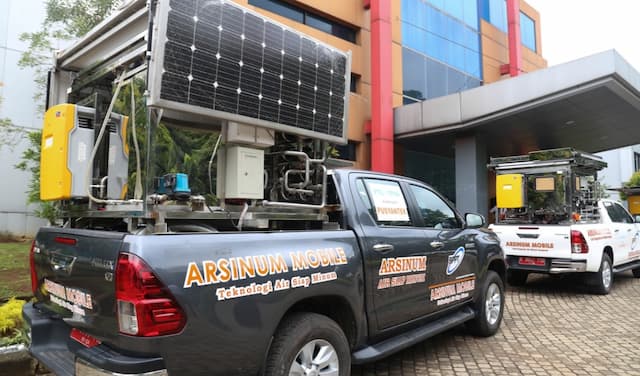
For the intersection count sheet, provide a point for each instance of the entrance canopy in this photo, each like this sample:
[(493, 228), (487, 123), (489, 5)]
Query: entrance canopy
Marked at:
[(591, 104)]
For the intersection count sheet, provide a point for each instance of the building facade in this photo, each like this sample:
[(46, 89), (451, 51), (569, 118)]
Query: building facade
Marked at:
[(438, 47), (17, 90)]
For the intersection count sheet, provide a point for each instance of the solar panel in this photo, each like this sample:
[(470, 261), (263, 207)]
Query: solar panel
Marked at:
[(221, 61)]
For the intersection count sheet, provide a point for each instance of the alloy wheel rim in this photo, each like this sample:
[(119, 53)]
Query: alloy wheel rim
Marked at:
[(493, 304), (316, 358), (606, 274)]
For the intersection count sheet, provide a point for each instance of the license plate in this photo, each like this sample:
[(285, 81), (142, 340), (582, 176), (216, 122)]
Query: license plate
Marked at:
[(535, 261), (83, 338)]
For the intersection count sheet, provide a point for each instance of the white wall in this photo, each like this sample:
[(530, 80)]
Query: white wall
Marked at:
[(17, 89)]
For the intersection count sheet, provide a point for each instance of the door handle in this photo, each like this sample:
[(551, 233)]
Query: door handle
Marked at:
[(382, 248), (436, 244)]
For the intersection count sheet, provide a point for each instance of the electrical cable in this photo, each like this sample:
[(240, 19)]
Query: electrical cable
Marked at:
[(88, 177), (137, 192)]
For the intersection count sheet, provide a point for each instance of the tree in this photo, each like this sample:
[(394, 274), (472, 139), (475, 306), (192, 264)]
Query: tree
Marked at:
[(65, 20), (633, 182)]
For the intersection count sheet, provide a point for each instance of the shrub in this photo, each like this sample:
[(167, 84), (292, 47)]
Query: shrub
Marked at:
[(12, 329)]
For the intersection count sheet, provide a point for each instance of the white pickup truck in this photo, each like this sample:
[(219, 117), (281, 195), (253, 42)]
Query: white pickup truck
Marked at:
[(600, 249), (550, 218)]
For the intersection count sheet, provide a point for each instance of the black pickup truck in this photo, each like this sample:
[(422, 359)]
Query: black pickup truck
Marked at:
[(401, 266)]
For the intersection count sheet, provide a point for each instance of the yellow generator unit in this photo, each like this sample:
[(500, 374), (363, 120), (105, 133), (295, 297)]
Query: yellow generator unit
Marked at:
[(510, 191), (634, 204), (67, 142)]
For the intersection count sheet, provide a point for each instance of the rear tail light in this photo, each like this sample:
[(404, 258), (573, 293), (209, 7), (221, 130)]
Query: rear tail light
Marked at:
[(32, 265), (578, 242), (145, 306)]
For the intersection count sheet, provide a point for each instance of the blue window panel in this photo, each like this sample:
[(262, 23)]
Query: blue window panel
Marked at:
[(456, 56), (455, 8), (471, 40), (438, 3), (472, 82), (439, 26), (457, 34), (410, 36), (441, 51), (456, 81), (472, 63), (437, 78), (433, 45), (471, 13), (528, 31), (405, 10), (498, 14), (414, 79), (484, 10), (432, 19)]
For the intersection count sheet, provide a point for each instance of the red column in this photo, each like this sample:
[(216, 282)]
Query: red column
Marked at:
[(515, 45), (381, 87)]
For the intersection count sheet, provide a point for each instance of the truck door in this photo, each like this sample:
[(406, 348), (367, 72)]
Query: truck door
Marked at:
[(625, 232), (453, 255), (395, 251)]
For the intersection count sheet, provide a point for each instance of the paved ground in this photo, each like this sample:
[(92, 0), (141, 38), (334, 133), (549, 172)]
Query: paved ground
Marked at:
[(552, 326)]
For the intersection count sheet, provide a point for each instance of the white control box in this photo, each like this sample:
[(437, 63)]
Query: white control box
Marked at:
[(244, 173)]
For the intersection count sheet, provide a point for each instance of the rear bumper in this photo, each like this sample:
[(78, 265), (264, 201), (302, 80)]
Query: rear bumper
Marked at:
[(551, 266), (53, 347)]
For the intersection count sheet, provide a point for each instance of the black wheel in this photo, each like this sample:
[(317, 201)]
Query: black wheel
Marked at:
[(603, 278), (489, 307), (636, 272), (517, 277), (309, 344)]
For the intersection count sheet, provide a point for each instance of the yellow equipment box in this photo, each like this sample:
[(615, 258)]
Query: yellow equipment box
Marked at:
[(510, 191), (67, 142), (634, 204)]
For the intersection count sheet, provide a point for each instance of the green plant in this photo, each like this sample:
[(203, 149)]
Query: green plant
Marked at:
[(12, 328), (634, 181)]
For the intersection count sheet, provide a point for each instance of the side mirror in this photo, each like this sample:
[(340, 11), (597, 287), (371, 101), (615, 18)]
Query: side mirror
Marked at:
[(474, 220), (637, 218)]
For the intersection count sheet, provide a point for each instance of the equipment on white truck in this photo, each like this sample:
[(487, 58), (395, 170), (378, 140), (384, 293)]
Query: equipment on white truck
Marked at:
[(268, 100), (554, 186)]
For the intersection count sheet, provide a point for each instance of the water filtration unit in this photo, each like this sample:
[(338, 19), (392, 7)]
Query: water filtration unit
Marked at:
[(68, 140)]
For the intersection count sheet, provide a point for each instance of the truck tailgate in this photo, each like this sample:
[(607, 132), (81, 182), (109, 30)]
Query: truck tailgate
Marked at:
[(535, 241), (75, 274)]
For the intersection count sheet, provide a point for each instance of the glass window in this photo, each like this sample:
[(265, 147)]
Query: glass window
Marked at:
[(435, 212), (528, 31), (614, 215), (347, 152), (353, 85), (437, 77), (454, 8), (457, 81), (300, 15), (623, 215), (385, 201), (414, 78), (280, 8), (495, 12), (636, 161)]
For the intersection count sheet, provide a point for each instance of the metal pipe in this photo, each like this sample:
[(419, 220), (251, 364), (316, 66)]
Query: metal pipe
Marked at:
[(304, 206), (515, 45)]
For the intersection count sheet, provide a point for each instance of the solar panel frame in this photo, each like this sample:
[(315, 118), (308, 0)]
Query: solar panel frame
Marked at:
[(191, 113)]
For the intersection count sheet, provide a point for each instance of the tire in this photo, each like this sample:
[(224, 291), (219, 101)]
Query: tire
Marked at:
[(517, 277), (308, 340), (604, 276), (489, 307), (636, 272)]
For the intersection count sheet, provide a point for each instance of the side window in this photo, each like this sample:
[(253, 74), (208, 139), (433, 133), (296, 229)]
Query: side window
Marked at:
[(613, 213), (385, 201), (623, 215), (435, 212)]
